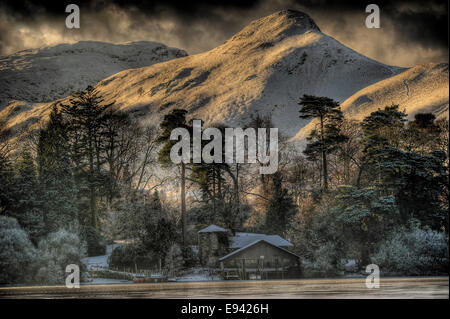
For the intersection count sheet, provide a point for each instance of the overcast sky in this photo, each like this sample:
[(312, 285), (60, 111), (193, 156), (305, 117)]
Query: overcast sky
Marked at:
[(411, 31)]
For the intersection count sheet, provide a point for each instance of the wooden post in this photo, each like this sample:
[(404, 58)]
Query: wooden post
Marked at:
[(276, 266), (262, 267)]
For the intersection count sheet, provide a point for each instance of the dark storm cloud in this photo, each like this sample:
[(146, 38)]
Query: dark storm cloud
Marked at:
[(423, 21), (412, 31)]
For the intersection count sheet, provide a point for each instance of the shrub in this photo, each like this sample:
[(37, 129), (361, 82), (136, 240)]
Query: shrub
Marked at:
[(131, 256), (174, 261), (326, 259), (96, 243), (17, 253), (190, 258), (58, 250), (413, 252)]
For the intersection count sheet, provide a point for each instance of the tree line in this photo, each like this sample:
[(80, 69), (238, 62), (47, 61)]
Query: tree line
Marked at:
[(94, 171)]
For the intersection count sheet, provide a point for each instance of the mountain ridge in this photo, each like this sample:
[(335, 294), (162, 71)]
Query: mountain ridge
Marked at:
[(49, 73), (263, 69), (419, 89)]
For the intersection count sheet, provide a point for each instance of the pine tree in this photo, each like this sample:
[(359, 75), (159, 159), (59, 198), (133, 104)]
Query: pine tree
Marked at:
[(27, 207), (122, 138), (212, 184), (56, 182), (85, 121), (363, 215), (382, 128), (324, 140), (159, 236), (422, 134), (418, 182), (280, 209), (175, 119)]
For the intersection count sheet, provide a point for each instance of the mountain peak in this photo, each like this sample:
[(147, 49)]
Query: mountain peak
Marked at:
[(300, 19), (276, 26)]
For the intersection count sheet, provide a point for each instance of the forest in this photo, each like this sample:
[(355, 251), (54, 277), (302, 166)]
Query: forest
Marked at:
[(373, 191)]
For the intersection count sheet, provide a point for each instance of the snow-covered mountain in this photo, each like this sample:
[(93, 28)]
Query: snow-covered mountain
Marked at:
[(265, 68), (422, 88), (46, 74)]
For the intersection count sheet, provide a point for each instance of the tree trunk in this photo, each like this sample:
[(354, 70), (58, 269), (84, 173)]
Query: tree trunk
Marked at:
[(365, 256), (92, 207), (236, 205), (325, 170), (358, 179), (183, 202), (92, 199), (324, 157), (214, 191), (236, 190)]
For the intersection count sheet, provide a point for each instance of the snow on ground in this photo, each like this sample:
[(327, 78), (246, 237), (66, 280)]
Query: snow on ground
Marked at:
[(106, 281), (197, 274), (101, 262), (95, 262)]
